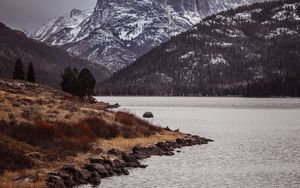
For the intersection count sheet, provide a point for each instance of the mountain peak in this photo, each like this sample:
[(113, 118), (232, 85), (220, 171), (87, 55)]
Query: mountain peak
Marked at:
[(252, 50), (120, 31)]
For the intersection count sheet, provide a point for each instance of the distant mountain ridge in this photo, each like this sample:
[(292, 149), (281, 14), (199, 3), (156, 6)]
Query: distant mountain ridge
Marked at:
[(49, 62), (252, 51), (117, 32), (56, 26)]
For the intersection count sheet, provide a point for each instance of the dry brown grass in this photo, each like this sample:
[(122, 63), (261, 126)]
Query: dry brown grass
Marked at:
[(68, 138), (6, 181), (126, 145), (42, 128), (42, 103), (135, 127), (22, 185), (13, 154)]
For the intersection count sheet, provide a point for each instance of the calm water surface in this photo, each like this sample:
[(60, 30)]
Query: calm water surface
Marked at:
[(257, 143)]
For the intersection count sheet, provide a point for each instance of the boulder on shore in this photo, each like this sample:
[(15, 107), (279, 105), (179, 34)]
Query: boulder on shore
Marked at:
[(111, 106)]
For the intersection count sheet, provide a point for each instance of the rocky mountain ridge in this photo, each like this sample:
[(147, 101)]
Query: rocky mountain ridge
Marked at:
[(117, 32), (252, 51)]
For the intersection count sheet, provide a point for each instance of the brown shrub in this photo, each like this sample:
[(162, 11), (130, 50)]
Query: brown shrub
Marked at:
[(91, 113), (102, 129), (39, 101), (24, 101), (15, 104), (11, 116), (31, 113), (27, 113), (69, 107), (7, 110), (61, 138), (13, 159), (124, 118), (51, 101), (49, 137), (39, 134), (128, 131), (53, 112), (73, 130), (68, 116), (66, 97), (134, 126)]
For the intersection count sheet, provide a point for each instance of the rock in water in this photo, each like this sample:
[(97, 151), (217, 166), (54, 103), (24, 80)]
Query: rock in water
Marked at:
[(148, 115)]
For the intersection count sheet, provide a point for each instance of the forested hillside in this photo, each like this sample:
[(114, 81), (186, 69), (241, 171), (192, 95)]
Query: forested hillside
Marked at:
[(49, 62), (252, 51)]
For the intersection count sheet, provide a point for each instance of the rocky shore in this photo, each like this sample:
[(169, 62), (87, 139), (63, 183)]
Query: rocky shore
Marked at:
[(115, 162), (43, 129)]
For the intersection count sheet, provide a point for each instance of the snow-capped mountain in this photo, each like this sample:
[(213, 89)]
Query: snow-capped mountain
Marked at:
[(253, 50), (61, 30), (117, 32)]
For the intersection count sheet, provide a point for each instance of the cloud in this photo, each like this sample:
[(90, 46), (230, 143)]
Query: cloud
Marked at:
[(30, 14)]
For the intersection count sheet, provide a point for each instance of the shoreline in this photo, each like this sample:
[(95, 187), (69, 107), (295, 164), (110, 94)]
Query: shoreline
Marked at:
[(50, 138), (115, 162), (201, 96)]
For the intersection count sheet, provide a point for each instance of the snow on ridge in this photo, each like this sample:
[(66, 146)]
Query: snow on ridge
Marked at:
[(280, 31), (217, 59), (225, 20), (171, 49), (55, 25), (287, 11), (128, 35), (127, 29), (243, 16), (187, 55), (220, 44)]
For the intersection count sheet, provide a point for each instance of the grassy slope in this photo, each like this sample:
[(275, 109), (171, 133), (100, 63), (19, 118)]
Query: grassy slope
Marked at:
[(41, 129)]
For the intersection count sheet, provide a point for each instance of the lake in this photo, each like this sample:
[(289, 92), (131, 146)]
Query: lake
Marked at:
[(257, 142)]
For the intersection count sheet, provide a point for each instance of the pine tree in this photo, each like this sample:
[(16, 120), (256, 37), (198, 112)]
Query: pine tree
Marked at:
[(86, 83), (69, 81), (298, 10), (31, 73), (18, 73), (82, 84)]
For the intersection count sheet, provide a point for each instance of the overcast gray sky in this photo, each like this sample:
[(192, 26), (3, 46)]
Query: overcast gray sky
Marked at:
[(31, 14)]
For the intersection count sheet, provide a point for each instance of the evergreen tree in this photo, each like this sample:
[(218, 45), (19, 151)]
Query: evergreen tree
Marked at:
[(86, 83), (69, 81), (298, 10), (18, 73), (30, 73), (82, 84)]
